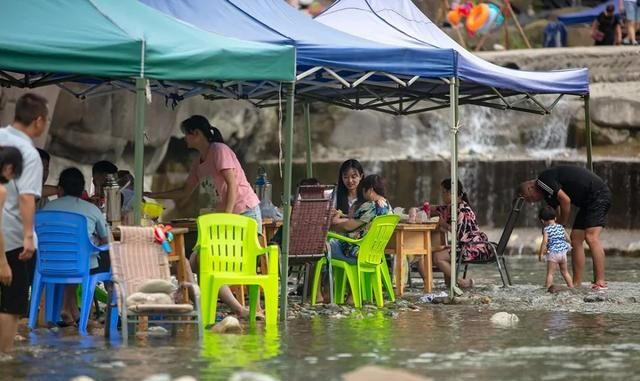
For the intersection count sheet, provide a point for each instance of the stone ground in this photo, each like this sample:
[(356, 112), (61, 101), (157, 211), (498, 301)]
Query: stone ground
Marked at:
[(620, 298)]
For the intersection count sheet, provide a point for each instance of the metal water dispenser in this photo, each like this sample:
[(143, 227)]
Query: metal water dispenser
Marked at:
[(112, 199)]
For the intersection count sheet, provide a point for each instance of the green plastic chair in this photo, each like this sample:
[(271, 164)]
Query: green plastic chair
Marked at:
[(367, 276), (229, 250)]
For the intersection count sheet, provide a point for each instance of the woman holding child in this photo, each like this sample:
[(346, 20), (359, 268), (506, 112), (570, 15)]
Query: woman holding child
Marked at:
[(371, 203), (471, 240)]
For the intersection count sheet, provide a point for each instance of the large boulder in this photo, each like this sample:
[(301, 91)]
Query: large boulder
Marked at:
[(617, 105)]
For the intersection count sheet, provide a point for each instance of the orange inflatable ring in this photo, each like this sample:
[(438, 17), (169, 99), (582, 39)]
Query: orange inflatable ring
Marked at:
[(453, 17), (478, 16)]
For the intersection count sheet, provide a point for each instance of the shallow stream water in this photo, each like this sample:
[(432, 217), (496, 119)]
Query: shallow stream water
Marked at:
[(444, 342)]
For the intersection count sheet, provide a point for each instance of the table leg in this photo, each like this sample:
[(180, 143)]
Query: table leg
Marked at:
[(427, 263), (181, 271), (398, 263)]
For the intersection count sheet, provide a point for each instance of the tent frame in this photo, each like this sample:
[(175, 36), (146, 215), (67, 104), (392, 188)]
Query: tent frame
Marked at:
[(395, 95)]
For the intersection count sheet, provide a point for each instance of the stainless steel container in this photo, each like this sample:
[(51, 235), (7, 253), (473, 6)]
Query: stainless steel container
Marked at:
[(112, 199)]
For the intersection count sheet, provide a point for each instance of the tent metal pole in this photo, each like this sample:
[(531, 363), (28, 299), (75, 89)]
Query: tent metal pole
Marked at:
[(587, 124), (138, 166), (286, 202), (307, 139), (453, 140)]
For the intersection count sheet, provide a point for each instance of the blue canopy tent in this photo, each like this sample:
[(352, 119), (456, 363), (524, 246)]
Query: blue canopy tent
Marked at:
[(478, 82), (586, 16), (353, 72), (332, 66)]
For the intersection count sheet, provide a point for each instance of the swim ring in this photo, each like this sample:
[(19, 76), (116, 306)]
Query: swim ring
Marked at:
[(478, 17)]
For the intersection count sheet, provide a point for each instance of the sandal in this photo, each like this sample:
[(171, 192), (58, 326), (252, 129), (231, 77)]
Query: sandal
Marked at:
[(599, 287)]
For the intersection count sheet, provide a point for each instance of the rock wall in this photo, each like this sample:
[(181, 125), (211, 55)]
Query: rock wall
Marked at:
[(84, 131)]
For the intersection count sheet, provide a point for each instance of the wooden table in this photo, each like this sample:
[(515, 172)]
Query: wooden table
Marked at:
[(269, 227), (412, 239)]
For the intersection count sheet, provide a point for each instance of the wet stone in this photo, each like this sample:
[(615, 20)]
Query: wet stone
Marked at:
[(594, 298), (158, 377)]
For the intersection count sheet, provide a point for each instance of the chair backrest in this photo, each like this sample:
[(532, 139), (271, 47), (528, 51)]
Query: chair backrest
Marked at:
[(310, 220), (371, 251), (518, 202), (137, 258), (228, 243), (64, 248)]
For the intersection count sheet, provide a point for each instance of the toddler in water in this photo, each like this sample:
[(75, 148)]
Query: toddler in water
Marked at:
[(554, 246)]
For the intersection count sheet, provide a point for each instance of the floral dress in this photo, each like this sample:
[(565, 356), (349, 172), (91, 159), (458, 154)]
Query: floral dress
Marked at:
[(469, 234), (365, 213)]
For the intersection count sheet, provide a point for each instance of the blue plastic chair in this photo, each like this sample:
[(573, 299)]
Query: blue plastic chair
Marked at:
[(64, 249)]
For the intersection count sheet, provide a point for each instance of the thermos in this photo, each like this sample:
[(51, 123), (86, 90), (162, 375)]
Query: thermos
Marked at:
[(263, 186), (112, 199)]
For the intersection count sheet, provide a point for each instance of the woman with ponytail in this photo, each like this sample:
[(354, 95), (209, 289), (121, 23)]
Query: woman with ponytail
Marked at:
[(223, 184), (216, 171), (471, 239)]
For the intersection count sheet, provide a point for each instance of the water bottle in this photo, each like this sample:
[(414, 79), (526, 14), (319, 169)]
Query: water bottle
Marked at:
[(112, 199), (263, 186)]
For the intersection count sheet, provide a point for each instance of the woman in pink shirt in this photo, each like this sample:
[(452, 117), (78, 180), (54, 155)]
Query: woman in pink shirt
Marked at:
[(223, 185)]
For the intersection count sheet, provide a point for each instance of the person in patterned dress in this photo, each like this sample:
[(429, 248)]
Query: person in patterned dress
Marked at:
[(555, 246), (472, 242)]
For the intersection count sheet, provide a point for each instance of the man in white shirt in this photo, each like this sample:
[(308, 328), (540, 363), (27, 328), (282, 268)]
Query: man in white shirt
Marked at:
[(30, 121)]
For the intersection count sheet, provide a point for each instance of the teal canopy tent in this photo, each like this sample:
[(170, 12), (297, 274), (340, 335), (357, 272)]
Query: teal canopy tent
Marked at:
[(126, 45)]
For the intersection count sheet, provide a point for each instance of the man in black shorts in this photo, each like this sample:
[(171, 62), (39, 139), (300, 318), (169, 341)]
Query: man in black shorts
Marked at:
[(31, 120), (562, 186)]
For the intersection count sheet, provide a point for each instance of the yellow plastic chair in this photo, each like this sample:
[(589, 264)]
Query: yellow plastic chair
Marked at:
[(229, 250), (370, 271)]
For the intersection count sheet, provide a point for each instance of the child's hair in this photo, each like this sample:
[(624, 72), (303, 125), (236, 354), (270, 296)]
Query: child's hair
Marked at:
[(375, 182), (104, 166), (200, 123), (309, 181), (547, 213), (10, 156)]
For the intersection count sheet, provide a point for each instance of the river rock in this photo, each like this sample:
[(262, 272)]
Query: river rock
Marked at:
[(82, 378), (186, 378), (228, 324), (594, 299), (158, 377), (376, 373), (251, 376), (504, 319)]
